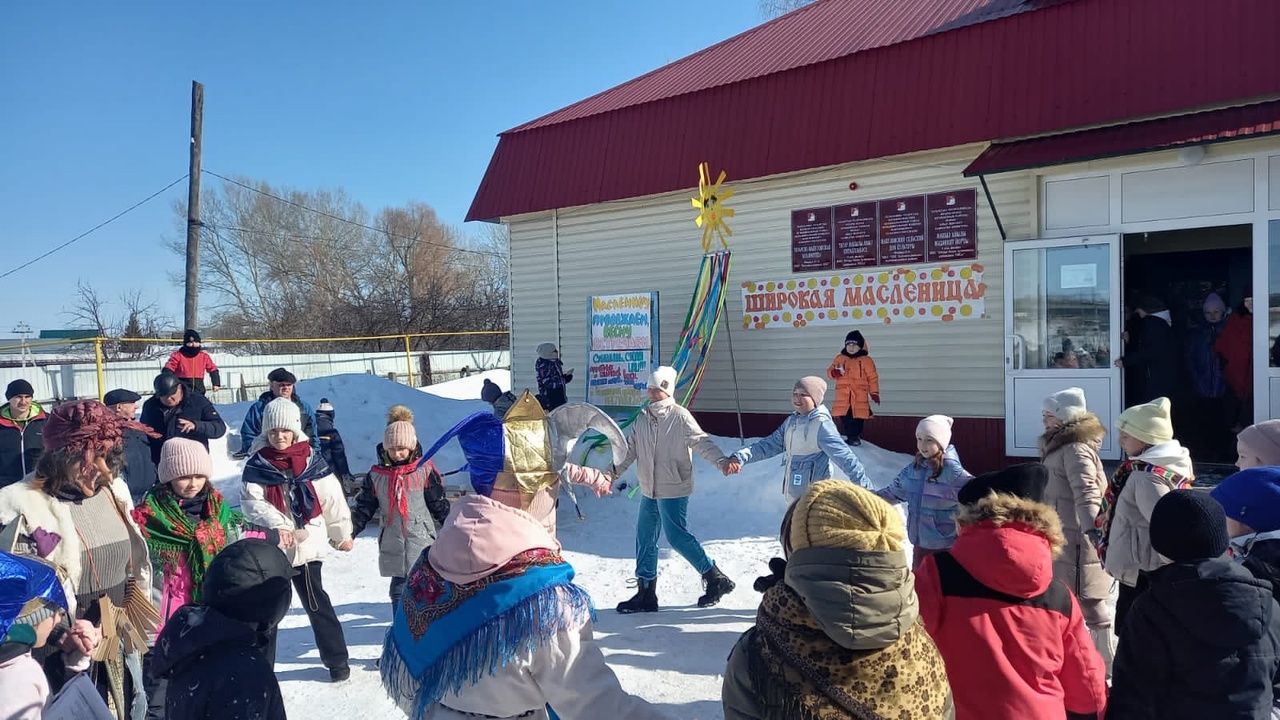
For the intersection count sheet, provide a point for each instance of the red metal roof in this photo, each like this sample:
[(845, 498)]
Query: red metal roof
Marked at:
[(817, 32), (1066, 65), (1198, 128)]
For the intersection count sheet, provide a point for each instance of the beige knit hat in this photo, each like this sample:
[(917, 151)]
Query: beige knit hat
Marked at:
[(839, 514), (1151, 423), (813, 386), (1260, 443), (400, 434), (180, 457)]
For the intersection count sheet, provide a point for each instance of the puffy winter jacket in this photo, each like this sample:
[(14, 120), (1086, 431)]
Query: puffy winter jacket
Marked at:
[(811, 443), (1012, 636), (1260, 555), (856, 381), (333, 524), (331, 445), (1129, 550), (552, 380), (401, 539), (1076, 484), (662, 439), (164, 420), (252, 424), (931, 502), (21, 443), (193, 367), (1202, 642), (217, 666)]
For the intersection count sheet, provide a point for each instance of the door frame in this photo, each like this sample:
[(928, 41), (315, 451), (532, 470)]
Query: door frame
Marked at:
[(1015, 351)]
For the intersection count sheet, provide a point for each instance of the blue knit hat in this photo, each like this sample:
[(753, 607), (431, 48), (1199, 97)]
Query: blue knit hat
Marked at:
[(1252, 497)]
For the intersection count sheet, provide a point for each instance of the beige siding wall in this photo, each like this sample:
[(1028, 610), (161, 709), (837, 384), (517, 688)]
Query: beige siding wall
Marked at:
[(533, 294), (652, 244)]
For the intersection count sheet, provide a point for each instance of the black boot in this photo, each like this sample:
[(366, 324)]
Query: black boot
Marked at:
[(717, 584), (645, 599)]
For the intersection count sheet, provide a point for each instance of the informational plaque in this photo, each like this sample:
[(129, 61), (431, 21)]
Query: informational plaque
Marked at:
[(902, 234), (953, 226), (811, 239), (855, 236)]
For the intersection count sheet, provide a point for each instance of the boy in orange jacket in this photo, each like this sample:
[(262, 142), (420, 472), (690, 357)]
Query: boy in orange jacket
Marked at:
[(857, 386)]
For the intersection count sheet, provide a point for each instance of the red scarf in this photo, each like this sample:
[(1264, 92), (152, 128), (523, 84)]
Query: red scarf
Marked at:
[(292, 459)]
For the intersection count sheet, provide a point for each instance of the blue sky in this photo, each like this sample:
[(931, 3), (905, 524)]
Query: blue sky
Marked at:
[(393, 101)]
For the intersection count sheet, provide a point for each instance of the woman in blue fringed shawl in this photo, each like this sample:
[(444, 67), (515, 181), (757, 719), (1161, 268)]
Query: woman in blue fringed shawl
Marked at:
[(492, 626)]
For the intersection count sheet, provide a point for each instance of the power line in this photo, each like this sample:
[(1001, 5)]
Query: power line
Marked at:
[(91, 230), (303, 239), (339, 218)]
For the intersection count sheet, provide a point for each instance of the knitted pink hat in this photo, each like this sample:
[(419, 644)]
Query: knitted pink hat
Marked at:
[(937, 428), (400, 434), (180, 457)]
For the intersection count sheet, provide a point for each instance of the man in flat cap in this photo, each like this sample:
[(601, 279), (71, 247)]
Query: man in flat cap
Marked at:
[(282, 386)]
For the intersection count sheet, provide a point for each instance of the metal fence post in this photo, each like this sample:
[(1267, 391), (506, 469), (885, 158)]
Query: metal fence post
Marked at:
[(97, 360), (408, 360)]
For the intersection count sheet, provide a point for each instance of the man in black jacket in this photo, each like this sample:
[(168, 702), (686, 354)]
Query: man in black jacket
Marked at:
[(139, 470), (21, 428), (1204, 640), (174, 412)]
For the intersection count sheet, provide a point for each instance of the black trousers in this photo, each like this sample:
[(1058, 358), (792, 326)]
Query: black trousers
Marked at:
[(156, 689), (1125, 599), (330, 641), (852, 426), (396, 591)]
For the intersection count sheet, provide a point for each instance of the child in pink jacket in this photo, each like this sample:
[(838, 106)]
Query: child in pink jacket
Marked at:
[(186, 523)]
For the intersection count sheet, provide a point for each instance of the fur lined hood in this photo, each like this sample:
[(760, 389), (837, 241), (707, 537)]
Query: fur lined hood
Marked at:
[(1008, 544), (1088, 430)]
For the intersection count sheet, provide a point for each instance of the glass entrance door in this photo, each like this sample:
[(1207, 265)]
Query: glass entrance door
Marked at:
[(1062, 329)]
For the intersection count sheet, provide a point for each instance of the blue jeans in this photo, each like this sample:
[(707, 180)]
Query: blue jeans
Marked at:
[(671, 513)]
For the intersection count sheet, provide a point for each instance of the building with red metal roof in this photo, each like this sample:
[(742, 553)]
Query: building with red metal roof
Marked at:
[(1077, 125)]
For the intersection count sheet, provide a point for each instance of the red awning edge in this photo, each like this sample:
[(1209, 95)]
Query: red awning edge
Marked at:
[(1201, 128)]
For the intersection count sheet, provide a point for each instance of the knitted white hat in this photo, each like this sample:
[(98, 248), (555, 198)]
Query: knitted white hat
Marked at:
[(281, 413), (664, 379), (1066, 405)]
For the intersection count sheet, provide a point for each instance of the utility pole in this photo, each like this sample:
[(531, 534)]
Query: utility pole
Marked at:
[(191, 306)]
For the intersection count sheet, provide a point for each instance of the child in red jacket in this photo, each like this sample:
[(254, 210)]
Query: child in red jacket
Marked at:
[(1013, 638), (190, 363), (857, 386)]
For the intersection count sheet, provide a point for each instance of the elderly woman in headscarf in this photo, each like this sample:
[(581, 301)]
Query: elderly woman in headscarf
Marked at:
[(74, 511)]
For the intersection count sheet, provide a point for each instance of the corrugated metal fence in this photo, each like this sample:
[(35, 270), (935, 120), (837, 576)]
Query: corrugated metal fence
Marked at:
[(243, 374)]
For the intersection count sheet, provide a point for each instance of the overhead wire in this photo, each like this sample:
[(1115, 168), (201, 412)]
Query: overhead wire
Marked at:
[(339, 218), (93, 229)]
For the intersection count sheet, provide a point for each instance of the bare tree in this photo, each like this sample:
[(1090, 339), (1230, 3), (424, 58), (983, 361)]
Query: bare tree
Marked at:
[(88, 309), (770, 9), (315, 264)]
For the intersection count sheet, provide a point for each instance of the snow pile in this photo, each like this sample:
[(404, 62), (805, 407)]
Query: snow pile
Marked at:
[(673, 658), (468, 388)]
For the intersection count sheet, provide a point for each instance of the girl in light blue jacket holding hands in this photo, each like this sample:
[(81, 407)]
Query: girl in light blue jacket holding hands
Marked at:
[(929, 486), (811, 443)]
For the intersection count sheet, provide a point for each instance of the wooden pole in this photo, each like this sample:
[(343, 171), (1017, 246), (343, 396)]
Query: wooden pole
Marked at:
[(191, 306)]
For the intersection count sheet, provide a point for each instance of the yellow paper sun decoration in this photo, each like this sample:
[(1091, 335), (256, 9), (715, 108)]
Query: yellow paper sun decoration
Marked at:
[(712, 212)]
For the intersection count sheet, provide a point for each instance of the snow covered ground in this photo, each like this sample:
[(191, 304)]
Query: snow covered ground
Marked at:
[(673, 658)]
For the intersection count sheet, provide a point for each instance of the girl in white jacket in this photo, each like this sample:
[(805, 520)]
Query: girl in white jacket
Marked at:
[(1156, 464), (289, 487)]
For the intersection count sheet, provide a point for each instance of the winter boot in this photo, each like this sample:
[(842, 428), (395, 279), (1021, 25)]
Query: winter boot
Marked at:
[(645, 599), (340, 673), (717, 584)]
